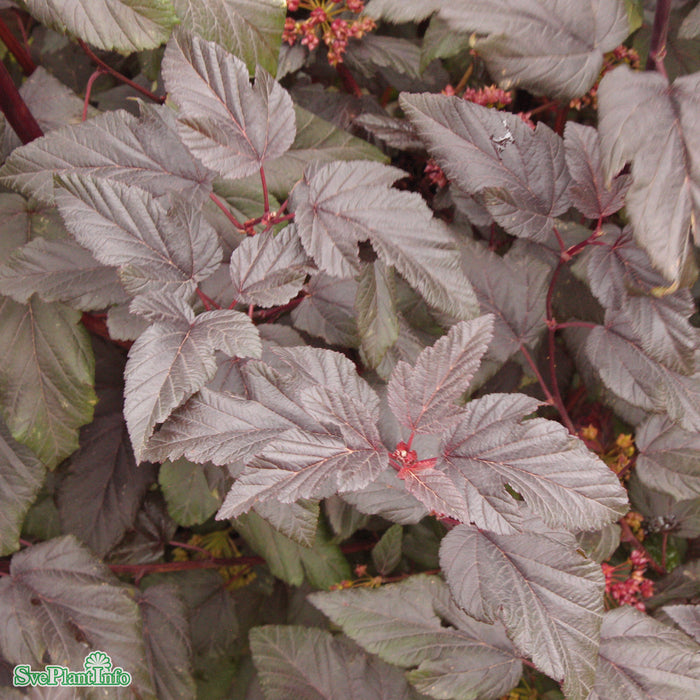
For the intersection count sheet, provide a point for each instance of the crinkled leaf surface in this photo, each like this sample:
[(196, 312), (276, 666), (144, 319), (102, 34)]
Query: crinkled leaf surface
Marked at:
[(548, 596), (337, 205), (643, 658), (167, 639), (309, 663), (267, 269), (560, 479), (664, 199), (119, 25), (144, 151), (417, 625), (425, 397), (46, 377), (399, 11), (21, 476), (174, 358), (297, 521), (553, 49), (60, 271), (520, 173), (630, 371), (249, 29), (155, 247), (230, 126), (513, 288), (59, 599), (669, 457), (589, 191)]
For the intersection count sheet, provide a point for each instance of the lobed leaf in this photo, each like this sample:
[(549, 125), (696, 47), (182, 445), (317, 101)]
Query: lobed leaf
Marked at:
[(553, 49), (267, 269), (62, 601), (687, 617), (642, 658), (589, 191), (230, 126), (669, 457), (558, 477), (173, 359), (417, 625), (548, 597), (425, 397), (520, 173), (124, 226), (665, 192), (295, 661), (145, 152)]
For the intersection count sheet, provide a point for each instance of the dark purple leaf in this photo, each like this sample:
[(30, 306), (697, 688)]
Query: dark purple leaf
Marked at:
[(173, 359), (60, 271), (513, 288), (643, 658), (417, 625), (560, 479), (267, 269), (589, 192), (521, 174), (548, 596), (143, 152), (121, 225), (669, 457), (167, 639), (687, 617), (60, 600), (555, 50), (295, 661), (425, 397), (230, 126), (664, 199)]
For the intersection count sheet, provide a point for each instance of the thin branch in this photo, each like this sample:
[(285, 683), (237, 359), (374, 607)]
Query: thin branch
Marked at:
[(88, 90), (116, 74), (348, 80), (25, 61), (208, 302), (629, 536), (540, 379), (574, 324), (266, 194), (15, 109), (226, 211), (659, 34)]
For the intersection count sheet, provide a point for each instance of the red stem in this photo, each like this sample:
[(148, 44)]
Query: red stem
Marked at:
[(226, 211), (629, 536), (271, 314), (88, 90), (540, 379), (208, 302), (574, 324), (21, 54), (266, 195), (116, 74), (15, 109), (664, 545), (659, 34), (347, 79)]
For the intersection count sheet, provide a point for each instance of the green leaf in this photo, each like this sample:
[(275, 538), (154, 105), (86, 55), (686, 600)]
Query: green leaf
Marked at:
[(46, 377), (319, 140), (249, 29), (386, 554), (192, 491), (21, 476), (441, 41), (119, 25), (323, 565), (375, 308)]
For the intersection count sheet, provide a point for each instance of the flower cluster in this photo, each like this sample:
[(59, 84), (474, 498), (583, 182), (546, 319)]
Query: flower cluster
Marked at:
[(324, 23), (625, 584), (620, 456), (614, 58), (488, 96)]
